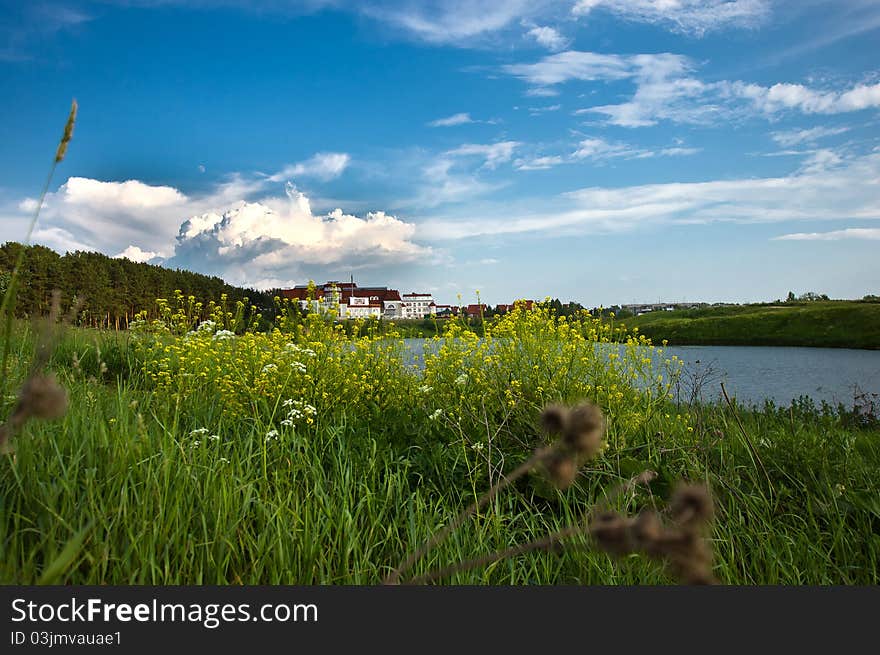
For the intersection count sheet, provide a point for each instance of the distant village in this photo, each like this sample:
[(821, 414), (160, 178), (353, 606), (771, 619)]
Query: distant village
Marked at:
[(348, 300)]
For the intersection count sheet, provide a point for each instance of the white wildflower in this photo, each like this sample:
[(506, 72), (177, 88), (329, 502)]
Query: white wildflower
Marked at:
[(437, 414), (461, 380), (214, 437), (223, 460), (198, 431), (223, 335), (269, 368), (195, 444), (426, 389), (271, 434)]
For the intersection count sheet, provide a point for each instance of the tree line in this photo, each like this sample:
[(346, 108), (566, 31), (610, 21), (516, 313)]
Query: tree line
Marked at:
[(109, 291)]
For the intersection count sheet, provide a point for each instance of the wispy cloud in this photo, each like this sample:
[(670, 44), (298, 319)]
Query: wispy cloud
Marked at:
[(846, 191), (695, 17), (666, 89), (323, 166), (791, 138), (867, 233), (493, 154), (450, 121)]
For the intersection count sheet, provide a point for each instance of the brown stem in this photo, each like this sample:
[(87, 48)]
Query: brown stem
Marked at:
[(545, 543), (538, 456)]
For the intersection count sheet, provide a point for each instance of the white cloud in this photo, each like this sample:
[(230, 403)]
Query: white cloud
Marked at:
[(493, 154), (572, 65), (846, 191), (872, 234), (455, 119), (784, 96), (538, 163), (678, 151), (135, 254), (667, 90), (323, 166), (456, 21), (548, 37), (278, 236), (244, 242), (695, 17), (598, 149), (108, 216), (790, 138)]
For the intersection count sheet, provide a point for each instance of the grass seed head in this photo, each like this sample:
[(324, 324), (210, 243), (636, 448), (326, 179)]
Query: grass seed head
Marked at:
[(68, 133)]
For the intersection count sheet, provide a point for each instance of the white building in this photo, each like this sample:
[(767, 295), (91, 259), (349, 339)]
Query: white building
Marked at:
[(417, 305)]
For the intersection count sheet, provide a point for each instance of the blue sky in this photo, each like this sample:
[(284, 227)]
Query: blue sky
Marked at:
[(602, 151)]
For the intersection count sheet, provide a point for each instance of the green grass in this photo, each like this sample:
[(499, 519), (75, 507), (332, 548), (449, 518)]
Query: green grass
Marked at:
[(831, 324), (119, 492)]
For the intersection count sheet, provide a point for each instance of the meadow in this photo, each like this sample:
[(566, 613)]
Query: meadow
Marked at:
[(198, 450), (818, 323)]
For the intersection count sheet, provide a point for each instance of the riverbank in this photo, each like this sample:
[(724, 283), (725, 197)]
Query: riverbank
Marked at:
[(827, 324)]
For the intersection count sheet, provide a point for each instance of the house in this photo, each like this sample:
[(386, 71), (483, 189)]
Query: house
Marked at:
[(417, 305), (525, 304), (475, 311), (446, 311)]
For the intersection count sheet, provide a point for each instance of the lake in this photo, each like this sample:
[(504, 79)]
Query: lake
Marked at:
[(754, 374)]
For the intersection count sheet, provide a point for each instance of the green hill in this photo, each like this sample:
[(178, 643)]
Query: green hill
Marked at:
[(832, 324)]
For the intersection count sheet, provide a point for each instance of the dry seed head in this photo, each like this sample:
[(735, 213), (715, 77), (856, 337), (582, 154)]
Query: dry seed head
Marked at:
[(554, 418), (646, 530), (562, 470), (585, 429), (691, 505), (68, 133), (40, 397), (611, 532)]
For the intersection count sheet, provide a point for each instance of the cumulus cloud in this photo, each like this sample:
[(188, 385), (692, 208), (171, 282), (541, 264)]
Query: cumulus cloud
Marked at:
[(220, 232), (867, 233), (784, 96), (848, 190), (450, 121), (696, 17), (548, 37), (270, 239), (135, 254), (107, 216)]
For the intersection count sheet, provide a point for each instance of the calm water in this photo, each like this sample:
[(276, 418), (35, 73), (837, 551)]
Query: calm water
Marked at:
[(754, 374)]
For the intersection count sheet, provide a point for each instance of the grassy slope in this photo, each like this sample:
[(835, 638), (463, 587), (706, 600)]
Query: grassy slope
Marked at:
[(834, 324)]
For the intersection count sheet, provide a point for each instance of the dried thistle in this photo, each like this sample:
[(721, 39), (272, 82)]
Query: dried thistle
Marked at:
[(583, 434), (612, 533), (68, 133), (554, 418), (562, 469), (691, 505), (681, 546)]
